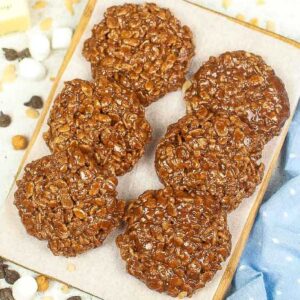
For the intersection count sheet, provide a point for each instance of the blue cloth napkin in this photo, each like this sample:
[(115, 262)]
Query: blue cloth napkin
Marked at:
[(270, 265)]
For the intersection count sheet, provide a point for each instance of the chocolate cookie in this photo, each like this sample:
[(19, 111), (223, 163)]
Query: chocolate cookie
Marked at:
[(66, 199), (174, 241), (144, 47), (241, 83), (212, 153), (104, 117)]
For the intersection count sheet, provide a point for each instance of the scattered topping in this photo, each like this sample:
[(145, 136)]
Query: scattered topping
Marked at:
[(5, 120), (46, 24), (12, 54), (65, 288), (74, 298), (61, 37), (19, 142), (32, 113), (39, 4), (254, 21), (6, 294), (271, 26), (3, 267), (11, 276), (240, 17), (226, 3), (42, 282), (31, 69), (24, 288), (24, 53), (39, 46), (9, 74), (69, 6), (35, 102), (71, 267)]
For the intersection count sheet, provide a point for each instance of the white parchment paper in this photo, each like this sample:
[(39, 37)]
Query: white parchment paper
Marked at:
[(101, 271)]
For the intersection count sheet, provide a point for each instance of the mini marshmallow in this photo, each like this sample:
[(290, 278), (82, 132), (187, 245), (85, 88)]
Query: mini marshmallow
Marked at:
[(39, 46), (61, 37), (24, 288), (31, 69)]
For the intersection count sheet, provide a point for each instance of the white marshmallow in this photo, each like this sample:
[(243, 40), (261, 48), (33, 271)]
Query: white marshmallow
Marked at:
[(61, 37), (39, 46), (31, 69), (24, 288)]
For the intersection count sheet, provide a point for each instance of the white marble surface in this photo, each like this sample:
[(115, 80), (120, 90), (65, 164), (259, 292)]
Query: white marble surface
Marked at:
[(280, 16)]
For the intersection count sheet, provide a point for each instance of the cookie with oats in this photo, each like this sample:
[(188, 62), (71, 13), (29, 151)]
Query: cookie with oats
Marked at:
[(143, 47), (103, 117)]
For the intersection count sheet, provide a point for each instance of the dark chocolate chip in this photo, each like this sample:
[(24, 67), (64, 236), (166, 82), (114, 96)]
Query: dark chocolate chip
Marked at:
[(11, 276), (6, 294), (5, 120), (24, 53), (35, 102), (10, 54)]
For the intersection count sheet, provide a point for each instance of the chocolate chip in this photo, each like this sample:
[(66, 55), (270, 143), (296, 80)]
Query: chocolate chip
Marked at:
[(3, 267), (5, 120), (74, 298), (6, 294), (24, 53), (10, 54), (11, 276), (35, 102)]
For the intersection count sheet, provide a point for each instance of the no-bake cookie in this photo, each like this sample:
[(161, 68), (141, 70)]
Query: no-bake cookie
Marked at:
[(66, 199), (143, 47), (216, 153), (241, 83), (104, 117), (174, 241)]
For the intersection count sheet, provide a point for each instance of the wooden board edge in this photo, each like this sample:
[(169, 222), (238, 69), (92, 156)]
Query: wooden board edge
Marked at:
[(250, 26)]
